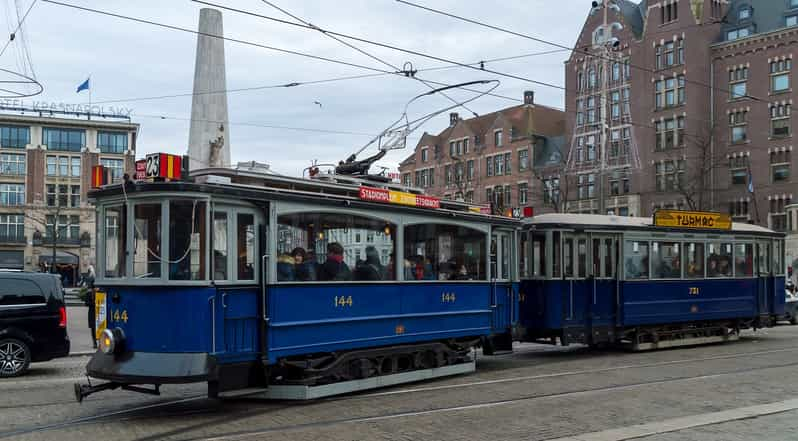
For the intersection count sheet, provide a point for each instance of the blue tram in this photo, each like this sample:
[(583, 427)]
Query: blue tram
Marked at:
[(297, 287), (606, 280)]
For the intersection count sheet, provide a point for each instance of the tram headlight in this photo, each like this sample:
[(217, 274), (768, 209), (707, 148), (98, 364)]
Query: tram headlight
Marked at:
[(112, 341)]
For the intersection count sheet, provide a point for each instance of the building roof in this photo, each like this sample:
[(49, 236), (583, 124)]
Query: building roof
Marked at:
[(634, 14), (765, 16)]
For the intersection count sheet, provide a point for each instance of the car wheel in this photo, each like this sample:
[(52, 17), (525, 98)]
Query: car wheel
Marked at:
[(14, 357)]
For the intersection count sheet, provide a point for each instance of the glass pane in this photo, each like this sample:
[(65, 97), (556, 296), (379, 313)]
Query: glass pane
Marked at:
[(568, 260), (556, 254), (245, 235), (187, 240), (523, 258), (505, 256), (538, 256), (447, 252), (147, 241), (219, 245), (115, 241), (666, 260), (763, 258), (609, 254), (597, 258), (778, 264), (636, 260), (719, 259), (743, 260), (695, 261), (581, 257)]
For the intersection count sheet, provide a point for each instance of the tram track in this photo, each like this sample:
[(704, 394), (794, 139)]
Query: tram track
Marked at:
[(154, 410)]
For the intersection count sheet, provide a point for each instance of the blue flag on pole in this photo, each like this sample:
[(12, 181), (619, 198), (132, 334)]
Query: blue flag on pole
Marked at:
[(84, 86)]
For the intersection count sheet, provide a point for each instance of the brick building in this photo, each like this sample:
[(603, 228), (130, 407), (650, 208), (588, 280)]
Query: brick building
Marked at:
[(701, 91), (502, 158), (45, 172)]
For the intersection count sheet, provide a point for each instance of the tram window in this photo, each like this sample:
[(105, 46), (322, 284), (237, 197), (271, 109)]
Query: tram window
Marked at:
[(636, 260), (694, 254), (597, 258), (147, 241), (539, 255), (743, 259), (763, 257), (187, 240), (245, 238), (220, 243), (581, 258), (609, 252), (523, 258), (444, 252), (567, 256), (666, 260), (505, 256), (325, 247), (719, 257), (115, 240), (556, 259), (778, 256)]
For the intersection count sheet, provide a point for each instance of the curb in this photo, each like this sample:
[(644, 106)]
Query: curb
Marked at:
[(81, 353)]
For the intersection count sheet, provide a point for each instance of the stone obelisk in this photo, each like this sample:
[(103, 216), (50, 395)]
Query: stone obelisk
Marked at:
[(209, 136)]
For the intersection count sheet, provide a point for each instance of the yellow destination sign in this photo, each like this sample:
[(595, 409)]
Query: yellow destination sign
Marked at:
[(692, 219)]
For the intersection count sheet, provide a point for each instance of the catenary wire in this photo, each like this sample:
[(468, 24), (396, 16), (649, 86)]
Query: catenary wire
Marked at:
[(19, 25), (551, 43)]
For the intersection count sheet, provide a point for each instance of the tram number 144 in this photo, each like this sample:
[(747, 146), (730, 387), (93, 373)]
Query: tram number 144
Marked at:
[(342, 301), (448, 297)]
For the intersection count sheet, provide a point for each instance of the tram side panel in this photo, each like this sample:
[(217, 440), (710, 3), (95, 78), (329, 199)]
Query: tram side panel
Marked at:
[(307, 319)]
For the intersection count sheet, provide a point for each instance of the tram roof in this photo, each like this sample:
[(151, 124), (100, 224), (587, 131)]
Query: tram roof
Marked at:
[(268, 186), (631, 223)]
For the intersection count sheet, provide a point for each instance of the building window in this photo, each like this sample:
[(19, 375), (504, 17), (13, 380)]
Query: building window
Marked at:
[(465, 146), (407, 180), (551, 190), (74, 196), (669, 12), (780, 165), (12, 164), (671, 53), (780, 75), (615, 105), (591, 78), (523, 191), (738, 82), (508, 196), (738, 122), (625, 94), (739, 210), (792, 4), (778, 214), (744, 13), (586, 186), (14, 137), (508, 169), (669, 134), (497, 138), (489, 165), (498, 165), (63, 166), (738, 167), (12, 194), (669, 92), (447, 173), (780, 120), (12, 226), (670, 175), (489, 196), (115, 165), (523, 159), (470, 170), (791, 20), (67, 140), (424, 155), (738, 33), (112, 142), (68, 227)]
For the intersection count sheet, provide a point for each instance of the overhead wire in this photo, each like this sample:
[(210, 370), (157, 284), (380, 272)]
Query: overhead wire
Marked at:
[(19, 25), (555, 44), (410, 73)]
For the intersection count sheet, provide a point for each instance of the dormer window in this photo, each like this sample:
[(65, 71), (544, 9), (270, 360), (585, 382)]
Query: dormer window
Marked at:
[(424, 154), (598, 36), (744, 13), (738, 33)]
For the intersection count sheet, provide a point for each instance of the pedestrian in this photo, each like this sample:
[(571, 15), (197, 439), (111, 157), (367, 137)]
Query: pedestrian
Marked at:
[(90, 303)]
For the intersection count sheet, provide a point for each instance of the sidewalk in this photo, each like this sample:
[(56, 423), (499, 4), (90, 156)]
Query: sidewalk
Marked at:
[(78, 330)]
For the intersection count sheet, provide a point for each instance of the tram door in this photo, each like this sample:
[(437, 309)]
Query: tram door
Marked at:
[(764, 278), (501, 255), (603, 305)]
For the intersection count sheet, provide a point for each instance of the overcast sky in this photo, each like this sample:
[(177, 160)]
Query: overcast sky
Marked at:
[(131, 60)]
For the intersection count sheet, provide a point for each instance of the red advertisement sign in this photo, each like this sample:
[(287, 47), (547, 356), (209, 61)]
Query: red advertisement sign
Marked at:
[(141, 170)]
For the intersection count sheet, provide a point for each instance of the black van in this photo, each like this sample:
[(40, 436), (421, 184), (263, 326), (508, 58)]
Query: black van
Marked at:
[(32, 320)]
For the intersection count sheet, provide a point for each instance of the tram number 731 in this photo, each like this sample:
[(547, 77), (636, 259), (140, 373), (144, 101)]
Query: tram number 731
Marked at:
[(342, 301)]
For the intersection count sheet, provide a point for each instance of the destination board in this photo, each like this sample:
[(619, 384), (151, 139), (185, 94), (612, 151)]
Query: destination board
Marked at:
[(692, 219), (398, 197)]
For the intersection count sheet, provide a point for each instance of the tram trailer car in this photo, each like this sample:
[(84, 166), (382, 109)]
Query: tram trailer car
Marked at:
[(297, 288), (597, 280)]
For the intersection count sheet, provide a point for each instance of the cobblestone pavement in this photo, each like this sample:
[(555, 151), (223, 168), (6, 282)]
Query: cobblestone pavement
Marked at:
[(537, 393)]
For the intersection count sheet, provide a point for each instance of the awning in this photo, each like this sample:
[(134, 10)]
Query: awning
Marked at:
[(61, 258), (12, 260)]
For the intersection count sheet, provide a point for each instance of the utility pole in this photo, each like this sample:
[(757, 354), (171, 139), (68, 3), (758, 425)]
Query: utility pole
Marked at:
[(605, 130)]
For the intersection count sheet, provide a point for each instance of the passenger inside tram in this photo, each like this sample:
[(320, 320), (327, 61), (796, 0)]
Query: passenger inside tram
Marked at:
[(334, 268)]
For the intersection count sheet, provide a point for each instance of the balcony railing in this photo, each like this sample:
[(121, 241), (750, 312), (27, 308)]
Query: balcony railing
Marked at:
[(15, 239)]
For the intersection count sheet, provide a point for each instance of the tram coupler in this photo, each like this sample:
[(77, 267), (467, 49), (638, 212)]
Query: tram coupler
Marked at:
[(84, 390)]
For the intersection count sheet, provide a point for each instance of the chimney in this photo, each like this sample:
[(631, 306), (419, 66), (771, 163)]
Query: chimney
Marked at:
[(529, 97), (453, 118)]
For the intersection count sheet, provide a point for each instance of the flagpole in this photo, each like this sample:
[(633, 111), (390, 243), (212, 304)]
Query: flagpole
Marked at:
[(89, 112), (751, 189)]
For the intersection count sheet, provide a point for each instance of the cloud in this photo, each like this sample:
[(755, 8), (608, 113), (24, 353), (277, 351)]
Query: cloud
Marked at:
[(127, 59)]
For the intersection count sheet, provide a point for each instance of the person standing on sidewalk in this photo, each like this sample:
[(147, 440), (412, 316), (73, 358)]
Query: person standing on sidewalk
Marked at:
[(90, 300)]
